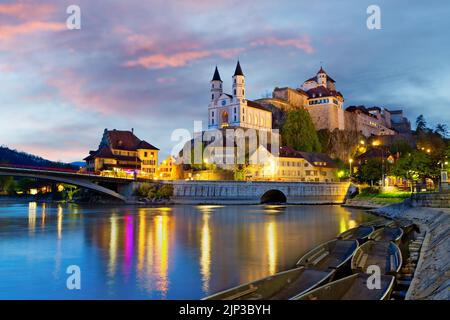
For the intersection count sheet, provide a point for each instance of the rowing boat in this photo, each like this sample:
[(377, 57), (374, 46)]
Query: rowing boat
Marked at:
[(387, 234), (379, 223), (384, 254), (334, 254), (360, 233), (354, 287), (285, 285)]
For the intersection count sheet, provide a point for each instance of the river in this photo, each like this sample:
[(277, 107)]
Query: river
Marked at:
[(175, 252)]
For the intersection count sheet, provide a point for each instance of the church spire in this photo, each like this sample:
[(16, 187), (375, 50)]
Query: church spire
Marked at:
[(216, 76), (238, 71)]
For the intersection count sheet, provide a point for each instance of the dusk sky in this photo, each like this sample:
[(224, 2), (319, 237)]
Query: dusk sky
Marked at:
[(147, 64)]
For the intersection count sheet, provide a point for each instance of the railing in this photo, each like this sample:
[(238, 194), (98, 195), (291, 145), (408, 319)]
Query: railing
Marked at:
[(18, 166)]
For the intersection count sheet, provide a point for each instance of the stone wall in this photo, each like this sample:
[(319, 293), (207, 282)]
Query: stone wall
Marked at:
[(432, 200), (243, 192)]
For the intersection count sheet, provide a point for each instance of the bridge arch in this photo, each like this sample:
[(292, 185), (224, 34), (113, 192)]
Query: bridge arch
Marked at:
[(273, 196), (68, 180)]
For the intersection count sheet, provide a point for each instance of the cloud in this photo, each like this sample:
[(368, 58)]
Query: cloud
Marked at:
[(303, 43), (10, 31), (158, 61), (23, 10)]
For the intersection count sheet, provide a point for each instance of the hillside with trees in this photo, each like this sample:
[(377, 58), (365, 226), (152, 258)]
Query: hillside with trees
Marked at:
[(10, 156)]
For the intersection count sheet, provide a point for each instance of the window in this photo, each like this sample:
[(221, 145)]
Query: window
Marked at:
[(242, 91), (224, 102), (234, 109), (212, 121), (212, 114), (212, 97), (145, 154), (235, 118), (234, 91)]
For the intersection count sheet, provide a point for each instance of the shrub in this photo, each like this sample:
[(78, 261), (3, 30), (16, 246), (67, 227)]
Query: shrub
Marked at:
[(370, 191)]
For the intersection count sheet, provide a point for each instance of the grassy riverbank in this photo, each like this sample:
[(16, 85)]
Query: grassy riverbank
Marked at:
[(377, 200)]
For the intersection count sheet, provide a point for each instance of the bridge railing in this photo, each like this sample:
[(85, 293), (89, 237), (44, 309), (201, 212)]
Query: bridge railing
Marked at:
[(19, 166)]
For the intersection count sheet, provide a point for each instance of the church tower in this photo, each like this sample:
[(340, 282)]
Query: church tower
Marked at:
[(216, 86), (238, 83)]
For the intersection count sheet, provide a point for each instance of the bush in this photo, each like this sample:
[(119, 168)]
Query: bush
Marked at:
[(151, 191), (165, 191), (370, 191)]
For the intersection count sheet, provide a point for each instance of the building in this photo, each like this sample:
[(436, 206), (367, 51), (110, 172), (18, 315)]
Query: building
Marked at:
[(292, 165), (121, 153), (319, 96), (166, 169), (369, 122), (234, 110)]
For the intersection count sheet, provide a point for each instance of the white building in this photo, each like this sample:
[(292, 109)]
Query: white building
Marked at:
[(234, 110)]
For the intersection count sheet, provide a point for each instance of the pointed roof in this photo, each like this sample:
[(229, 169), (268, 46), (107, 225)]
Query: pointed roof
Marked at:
[(216, 76), (321, 70), (238, 71)]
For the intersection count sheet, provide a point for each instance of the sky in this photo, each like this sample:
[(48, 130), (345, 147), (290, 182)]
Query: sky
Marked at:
[(147, 64)]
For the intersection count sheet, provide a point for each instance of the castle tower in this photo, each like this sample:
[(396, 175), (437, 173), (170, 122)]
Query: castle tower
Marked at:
[(238, 83), (216, 86), (322, 78)]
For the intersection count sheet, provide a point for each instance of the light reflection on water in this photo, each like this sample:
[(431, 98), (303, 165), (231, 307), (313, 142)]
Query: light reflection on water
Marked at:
[(155, 253)]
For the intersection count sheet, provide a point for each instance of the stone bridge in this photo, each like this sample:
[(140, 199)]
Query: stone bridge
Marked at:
[(246, 192), (111, 186)]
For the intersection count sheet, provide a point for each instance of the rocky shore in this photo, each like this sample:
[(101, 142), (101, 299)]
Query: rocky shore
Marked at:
[(432, 276)]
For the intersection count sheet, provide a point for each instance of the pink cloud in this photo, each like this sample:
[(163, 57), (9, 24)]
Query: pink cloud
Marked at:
[(10, 31), (166, 80), (303, 43), (24, 10), (180, 59), (158, 61)]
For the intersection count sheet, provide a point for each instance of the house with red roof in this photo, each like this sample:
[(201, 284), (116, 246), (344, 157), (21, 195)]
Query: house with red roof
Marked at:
[(122, 153)]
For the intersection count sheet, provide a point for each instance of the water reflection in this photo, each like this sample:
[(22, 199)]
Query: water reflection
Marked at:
[(271, 236), (205, 253), (156, 253), (31, 217)]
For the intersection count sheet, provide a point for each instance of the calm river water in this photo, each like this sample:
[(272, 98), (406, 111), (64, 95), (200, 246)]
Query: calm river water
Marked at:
[(177, 252)]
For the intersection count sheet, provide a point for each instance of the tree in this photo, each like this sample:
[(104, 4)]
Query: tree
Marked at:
[(416, 166), (421, 124), (442, 130), (400, 146), (299, 133), (6, 183), (370, 171)]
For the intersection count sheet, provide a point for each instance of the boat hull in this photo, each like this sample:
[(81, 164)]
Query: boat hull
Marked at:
[(354, 287), (281, 286)]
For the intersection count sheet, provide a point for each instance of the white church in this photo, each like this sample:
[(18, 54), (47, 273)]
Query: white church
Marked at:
[(233, 110)]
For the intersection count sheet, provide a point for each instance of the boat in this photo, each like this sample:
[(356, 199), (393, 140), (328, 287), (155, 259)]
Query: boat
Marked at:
[(406, 225), (285, 285), (384, 254), (360, 233), (394, 234), (354, 287), (379, 223), (333, 254)]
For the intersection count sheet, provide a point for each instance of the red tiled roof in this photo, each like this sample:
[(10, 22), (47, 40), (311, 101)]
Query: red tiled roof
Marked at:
[(321, 91), (126, 140)]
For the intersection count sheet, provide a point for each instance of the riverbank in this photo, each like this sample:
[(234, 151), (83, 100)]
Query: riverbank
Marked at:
[(432, 276)]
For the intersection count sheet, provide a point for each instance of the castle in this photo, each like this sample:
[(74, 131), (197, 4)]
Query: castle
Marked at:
[(318, 95)]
